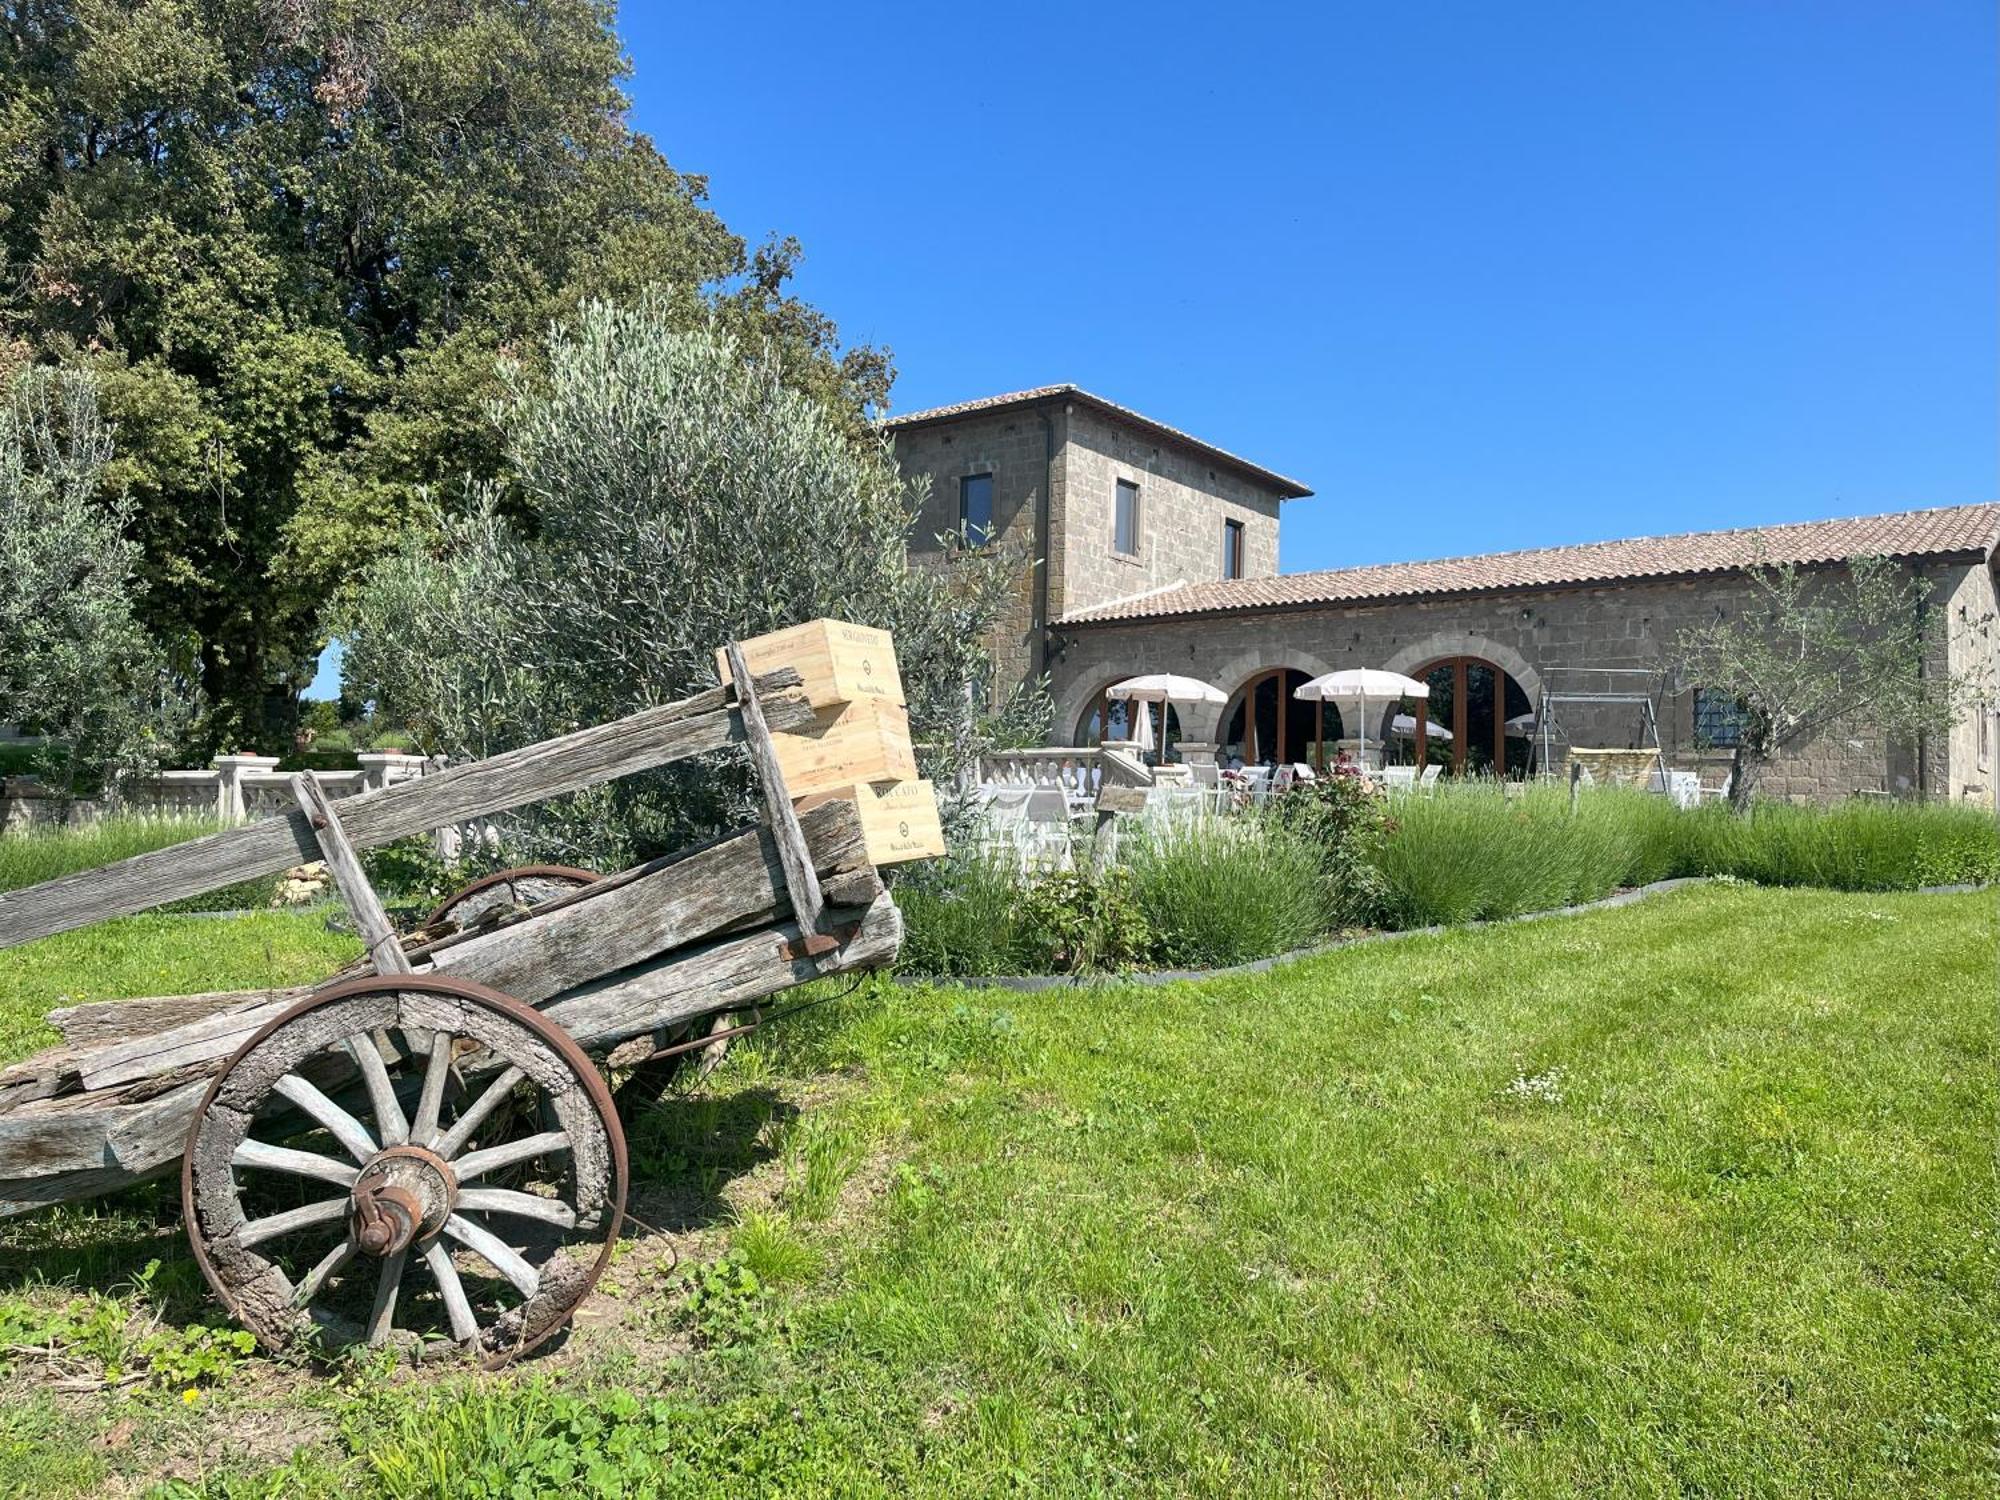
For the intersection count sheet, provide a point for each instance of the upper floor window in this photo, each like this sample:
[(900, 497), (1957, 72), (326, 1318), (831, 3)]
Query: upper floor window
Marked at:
[(1125, 519), (975, 509), (1718, 719), (1232, 549)]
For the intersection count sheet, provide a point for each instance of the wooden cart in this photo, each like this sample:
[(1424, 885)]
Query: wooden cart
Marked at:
[(444, 1102)]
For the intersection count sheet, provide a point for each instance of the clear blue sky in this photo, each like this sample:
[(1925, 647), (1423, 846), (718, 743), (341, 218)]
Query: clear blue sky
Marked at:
[(1484, 276)]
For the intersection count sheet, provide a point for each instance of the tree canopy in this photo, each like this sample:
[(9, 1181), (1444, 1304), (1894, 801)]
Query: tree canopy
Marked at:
[(76, 666), (681, 494), (290, 238)]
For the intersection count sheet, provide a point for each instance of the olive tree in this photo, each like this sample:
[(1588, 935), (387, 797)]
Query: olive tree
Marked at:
[(669, 492), (76, 666), (1813, 651)]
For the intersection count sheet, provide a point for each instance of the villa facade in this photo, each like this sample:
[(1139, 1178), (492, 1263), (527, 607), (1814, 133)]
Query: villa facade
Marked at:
[(1162, 556)]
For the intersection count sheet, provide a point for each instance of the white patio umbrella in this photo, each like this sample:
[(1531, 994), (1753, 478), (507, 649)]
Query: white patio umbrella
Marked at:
[(1356, 686), (1521, 726), (1162, 687), (1405, 725)]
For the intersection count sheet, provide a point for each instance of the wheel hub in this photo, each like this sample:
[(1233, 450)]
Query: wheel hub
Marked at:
[(404, 1195)]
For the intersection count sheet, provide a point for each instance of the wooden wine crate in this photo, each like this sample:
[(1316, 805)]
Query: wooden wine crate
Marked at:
[(899, 822), (865, 741), (840, 662)]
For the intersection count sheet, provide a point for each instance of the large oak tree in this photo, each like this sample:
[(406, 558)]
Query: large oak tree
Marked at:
[(290, 238)]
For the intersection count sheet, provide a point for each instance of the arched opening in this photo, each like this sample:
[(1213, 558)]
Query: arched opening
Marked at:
[(1265, 725), (1487, 712), (1107, 718)]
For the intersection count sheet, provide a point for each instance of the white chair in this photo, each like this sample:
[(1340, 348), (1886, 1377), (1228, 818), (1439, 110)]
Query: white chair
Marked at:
[(1400, 778), (1046, 804), (1431, 773)]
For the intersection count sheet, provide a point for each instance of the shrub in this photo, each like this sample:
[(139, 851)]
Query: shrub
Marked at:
[(669, 492), (1865, 844), (76, 665), (1473, 852), (1224, 891), (961, 917), (1083, 921), (1345, 817)]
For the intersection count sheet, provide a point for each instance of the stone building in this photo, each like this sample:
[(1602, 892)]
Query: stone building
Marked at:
[(1526, 653), (1107, 502)]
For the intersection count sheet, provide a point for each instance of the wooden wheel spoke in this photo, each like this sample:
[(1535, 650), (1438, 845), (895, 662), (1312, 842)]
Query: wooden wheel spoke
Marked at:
[(382, 1317), (295, 1163), (492, 1158), (464, 1326), (391, 1124), (520, 1205), (476, 1113), (512, 1253), (350, 1132), (490, 1248), (437, 1071), (333, 1260), (256, 1231)]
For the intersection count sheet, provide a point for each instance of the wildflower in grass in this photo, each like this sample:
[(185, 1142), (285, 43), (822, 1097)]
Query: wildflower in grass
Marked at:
[(1536, 1088)]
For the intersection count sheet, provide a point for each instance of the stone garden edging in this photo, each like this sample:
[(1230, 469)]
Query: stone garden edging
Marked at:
[(1029, 983)]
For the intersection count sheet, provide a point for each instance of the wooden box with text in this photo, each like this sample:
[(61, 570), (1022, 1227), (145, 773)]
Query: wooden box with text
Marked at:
[(898, 822)]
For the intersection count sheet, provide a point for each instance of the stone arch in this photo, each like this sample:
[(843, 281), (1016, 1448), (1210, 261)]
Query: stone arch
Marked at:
[(1443, 643)]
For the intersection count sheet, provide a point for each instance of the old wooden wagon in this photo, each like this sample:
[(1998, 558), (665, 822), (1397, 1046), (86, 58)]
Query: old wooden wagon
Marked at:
[(443, 1104)]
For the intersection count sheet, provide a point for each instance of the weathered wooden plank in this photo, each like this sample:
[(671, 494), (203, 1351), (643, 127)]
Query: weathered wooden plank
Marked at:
[(114, 1136), (683, 901), (727, 975), (378, 933), (801, 883), (652, 737), (208, 1039), (608, 927), (118, 1020)]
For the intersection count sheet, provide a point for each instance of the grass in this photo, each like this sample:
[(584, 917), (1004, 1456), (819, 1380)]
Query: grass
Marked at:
[(1223, 891), (1687, 1197), (1472, 852), (159, 955), (1227, 892)]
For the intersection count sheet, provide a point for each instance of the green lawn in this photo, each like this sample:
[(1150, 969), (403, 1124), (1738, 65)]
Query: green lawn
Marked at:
[(1693, 1197)]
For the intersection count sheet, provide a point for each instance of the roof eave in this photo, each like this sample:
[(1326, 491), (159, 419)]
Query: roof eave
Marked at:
[(1497, 591), (1286, 488)]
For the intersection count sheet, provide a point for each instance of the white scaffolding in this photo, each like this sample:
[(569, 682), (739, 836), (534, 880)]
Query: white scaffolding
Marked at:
[(1635, 687)]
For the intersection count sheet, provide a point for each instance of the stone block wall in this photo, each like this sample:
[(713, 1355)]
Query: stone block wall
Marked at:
[(1526, 634), (1184, 498), (1014, 448), (1077, 456)]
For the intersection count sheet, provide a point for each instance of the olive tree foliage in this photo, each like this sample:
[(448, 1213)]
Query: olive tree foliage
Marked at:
[(76, 666), (676, 493), (1813, 651)]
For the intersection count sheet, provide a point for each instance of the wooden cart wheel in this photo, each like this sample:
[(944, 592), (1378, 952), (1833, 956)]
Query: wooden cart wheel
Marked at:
[(504, 891), (465, 1133)]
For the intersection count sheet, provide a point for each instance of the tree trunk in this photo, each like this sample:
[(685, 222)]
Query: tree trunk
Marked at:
[(1744, 768)]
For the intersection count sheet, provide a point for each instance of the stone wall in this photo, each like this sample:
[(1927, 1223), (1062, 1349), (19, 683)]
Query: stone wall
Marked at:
[(1973, 651), (1014, 448), (1184, 498), (1078, 456), (1526, 634)]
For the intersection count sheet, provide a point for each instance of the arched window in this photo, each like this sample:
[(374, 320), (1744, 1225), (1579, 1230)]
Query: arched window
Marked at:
[(1263, 724), (1122, 718), (1487, 713)]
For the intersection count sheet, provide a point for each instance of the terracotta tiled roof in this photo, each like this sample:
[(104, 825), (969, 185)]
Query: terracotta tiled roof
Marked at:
[(1289, 489), (1956, 530)]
